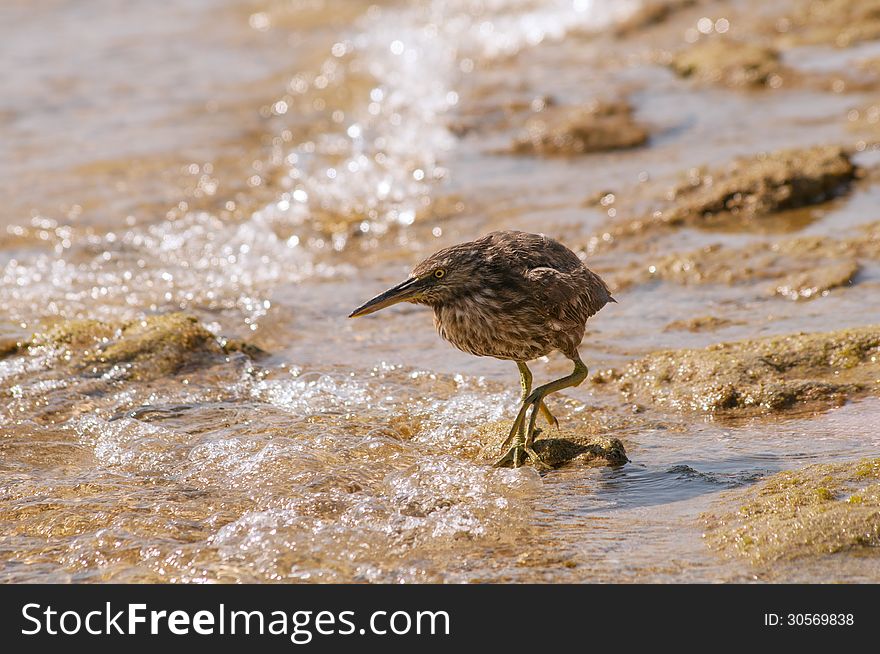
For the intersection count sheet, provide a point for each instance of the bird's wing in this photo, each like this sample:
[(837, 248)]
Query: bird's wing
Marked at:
[(567, 297)]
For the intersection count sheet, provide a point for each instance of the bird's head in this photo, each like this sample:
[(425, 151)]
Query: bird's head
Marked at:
[(442, 277)]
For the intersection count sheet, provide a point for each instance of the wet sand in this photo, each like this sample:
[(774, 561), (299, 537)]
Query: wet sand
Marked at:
[(191, 207)]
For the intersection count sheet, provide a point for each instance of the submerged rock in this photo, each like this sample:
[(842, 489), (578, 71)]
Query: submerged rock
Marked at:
[(819, 510), (763, 374), (796, 276), (699, 324), (559, 448), (816, 281), (74, 334), (866, 120), (597, 127), (649, 14), (801, 268), (836, 22), (763, 184), (156, 346), (9, 346), (728, 62), (146, 349)]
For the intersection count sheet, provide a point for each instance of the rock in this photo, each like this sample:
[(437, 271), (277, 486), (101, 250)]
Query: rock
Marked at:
[(565, 130), (818, 510), (250, 350), (699, 324), (9, 346), (558, 448), (156, 346), (767, 183), (794, 277), (816, 281), (761, 375), (836, 22), (74, 334), (801, 268), (147, 349), (653, 12), (491, 113), (728, 62), (866, 121), (555, 452)]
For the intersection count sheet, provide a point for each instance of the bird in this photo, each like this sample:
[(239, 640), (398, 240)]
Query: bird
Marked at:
[(510, 295)]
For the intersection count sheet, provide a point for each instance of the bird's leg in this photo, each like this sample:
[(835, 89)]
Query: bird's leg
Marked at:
[(578, 375), (525, 380), (519, 422), (518, 438), (534, 399), (549, 417)]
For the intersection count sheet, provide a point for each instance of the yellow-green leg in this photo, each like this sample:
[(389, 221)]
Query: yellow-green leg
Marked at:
[(525, 380), (520, 440), (517, 451)]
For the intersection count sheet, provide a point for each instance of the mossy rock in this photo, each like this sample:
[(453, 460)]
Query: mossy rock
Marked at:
[(765, 374), (597, 127), (9, 346), (763, 184), (803, 268), (818, 510), (835, 22), (74, 334), (817, 281), (699, 324), (557, 448), (156, 346), (250, 350), (146, 349), (729, 62), (649, 14)]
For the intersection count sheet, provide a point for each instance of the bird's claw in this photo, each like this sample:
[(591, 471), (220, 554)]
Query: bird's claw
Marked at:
[(517, 456)]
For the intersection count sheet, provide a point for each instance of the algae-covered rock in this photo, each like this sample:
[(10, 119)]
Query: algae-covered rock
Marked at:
[(250, 350), (146, 349), (796, 275), (74, 334), (763, 184), (728, 62), (717, 264), (816, 281), (597, 127), (836, 22), (557, 448), (699, 324), (9, 346), (762, 374), (650, 13), (156, 346), (802, 268), (866, 120), (819, 510)]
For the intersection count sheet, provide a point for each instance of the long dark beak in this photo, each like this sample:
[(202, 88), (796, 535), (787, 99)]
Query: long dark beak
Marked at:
[(400, 293)]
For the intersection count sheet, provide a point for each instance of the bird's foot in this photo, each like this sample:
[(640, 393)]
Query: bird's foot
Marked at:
[(517, 455)]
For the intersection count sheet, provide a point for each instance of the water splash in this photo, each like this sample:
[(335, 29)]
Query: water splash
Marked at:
[(375, 165)]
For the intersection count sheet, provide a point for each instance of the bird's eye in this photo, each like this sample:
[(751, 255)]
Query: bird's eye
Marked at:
[(439, 273)]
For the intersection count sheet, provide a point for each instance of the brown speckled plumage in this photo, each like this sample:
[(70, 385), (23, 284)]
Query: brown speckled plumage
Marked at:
[(512, 295), (508, 295)]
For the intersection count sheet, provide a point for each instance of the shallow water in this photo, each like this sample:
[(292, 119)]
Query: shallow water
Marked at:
[(268, 166)]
